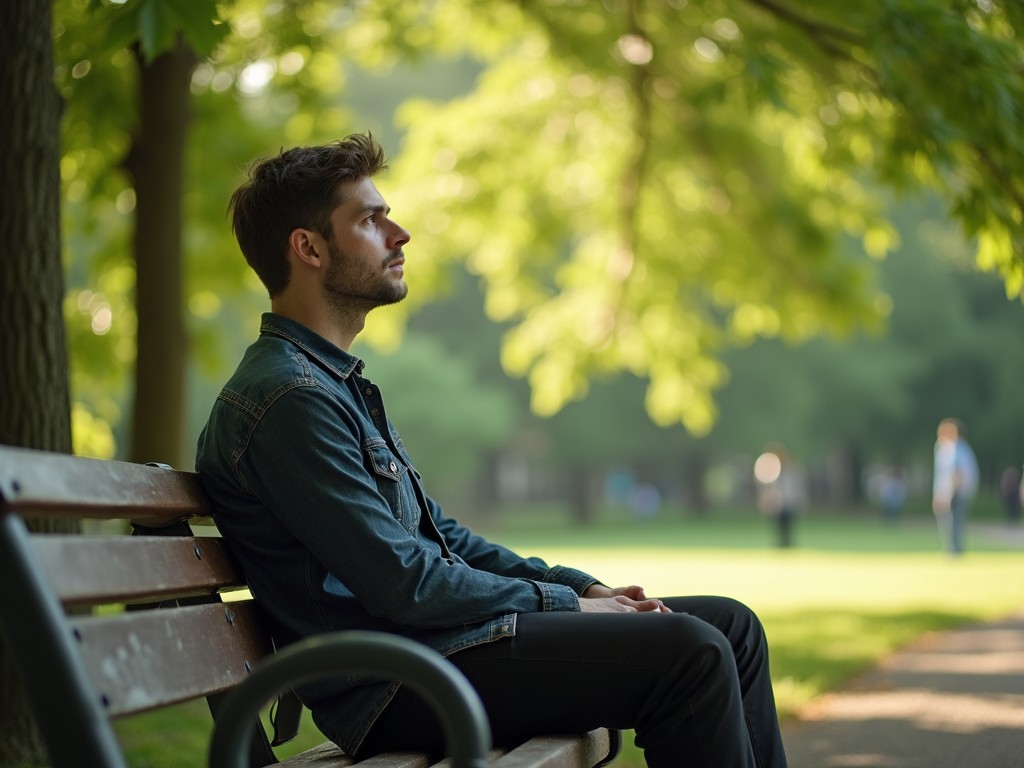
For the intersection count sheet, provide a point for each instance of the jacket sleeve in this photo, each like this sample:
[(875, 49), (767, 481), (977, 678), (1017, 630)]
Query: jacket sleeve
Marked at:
[(480, 553)]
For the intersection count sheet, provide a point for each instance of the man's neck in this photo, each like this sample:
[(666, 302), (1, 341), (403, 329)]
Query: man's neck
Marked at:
[(338, 325)]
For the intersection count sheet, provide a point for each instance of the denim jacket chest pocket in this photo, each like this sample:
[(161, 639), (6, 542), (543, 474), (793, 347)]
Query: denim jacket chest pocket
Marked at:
[(393, 482)]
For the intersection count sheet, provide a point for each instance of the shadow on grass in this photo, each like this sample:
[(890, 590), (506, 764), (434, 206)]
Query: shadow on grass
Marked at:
[(813, 652)]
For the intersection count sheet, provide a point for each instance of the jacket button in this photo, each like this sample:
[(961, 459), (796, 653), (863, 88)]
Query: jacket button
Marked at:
[(393, 467)]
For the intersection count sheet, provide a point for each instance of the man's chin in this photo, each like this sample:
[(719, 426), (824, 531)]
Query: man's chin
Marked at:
[(398, 291)]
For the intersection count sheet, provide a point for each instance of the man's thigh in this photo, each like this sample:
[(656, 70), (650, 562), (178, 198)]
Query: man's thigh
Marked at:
[(568, 672)]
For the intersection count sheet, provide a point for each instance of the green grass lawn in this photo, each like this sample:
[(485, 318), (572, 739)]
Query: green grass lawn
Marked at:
[(850, 592)]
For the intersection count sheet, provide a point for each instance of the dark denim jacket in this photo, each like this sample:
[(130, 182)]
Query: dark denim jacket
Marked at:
[(319, 499)]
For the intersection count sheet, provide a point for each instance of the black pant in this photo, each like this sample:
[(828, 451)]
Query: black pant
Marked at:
[(694, 684)]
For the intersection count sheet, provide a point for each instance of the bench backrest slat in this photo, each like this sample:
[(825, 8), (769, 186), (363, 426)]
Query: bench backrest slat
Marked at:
[(42, 484), (135, 658), (91, 570)]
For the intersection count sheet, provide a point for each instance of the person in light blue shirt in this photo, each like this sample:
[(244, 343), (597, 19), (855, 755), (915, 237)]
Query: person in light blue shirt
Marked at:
[(955, 483), (333, 525)]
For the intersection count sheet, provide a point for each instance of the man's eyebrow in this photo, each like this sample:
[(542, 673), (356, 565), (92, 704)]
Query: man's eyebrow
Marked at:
[(376, 208)]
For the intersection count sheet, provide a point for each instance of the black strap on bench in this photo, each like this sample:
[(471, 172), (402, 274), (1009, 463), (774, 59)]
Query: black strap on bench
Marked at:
[(286, 716)]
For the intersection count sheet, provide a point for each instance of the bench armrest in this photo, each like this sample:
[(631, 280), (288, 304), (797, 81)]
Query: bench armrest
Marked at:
[(467, 732)]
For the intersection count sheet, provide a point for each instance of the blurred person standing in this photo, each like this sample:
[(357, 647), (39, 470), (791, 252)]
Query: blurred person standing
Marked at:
[(1020, 490), (1009, 489), (892, 493), (780, 490), (955, 483)]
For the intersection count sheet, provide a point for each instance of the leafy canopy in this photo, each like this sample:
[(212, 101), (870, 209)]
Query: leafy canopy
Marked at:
[(639, 185), (642, 185)]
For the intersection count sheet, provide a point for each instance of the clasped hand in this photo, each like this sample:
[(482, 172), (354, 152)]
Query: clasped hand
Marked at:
[(601, 599)]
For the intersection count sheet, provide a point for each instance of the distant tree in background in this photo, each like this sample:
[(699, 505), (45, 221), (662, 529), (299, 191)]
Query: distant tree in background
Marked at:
[(110, 52)]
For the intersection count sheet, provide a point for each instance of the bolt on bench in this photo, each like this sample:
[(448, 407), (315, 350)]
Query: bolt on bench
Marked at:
[(177, 640)]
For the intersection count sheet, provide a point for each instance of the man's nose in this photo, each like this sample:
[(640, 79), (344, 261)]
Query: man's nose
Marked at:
[(399, 236)]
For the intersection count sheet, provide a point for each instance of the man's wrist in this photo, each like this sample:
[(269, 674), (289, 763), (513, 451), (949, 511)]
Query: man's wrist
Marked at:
[(597, 589)]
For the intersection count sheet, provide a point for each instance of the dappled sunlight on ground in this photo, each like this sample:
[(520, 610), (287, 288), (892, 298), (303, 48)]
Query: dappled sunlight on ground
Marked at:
[(950, 700), (924, 709)]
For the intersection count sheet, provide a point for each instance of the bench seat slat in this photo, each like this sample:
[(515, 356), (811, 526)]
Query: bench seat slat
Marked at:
[(326, 755), (570, 751), (397, 760), (135, 658), (576, 751), (90, 570)]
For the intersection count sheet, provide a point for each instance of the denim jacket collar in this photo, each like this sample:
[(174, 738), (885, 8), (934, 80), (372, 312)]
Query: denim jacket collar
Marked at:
[(316, 346)]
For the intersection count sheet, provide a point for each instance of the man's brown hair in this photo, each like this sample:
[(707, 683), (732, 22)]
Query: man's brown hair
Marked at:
[(297, 189)]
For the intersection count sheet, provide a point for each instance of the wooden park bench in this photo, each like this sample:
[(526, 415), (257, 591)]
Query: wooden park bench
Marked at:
[(165, 635)]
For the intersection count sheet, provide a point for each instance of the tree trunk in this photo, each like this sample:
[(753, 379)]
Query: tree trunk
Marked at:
[(156, 163), (34, 399), (34, 410)]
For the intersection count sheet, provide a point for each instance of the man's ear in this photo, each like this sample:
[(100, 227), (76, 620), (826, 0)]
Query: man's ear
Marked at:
[(306, 246)]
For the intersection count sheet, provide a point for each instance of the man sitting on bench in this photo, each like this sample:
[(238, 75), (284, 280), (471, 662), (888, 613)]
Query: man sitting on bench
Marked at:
[(314, 490)]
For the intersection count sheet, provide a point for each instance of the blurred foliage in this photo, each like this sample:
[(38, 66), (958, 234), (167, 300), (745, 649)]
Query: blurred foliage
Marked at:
[(947, 350), (643, 185), (639, 186)]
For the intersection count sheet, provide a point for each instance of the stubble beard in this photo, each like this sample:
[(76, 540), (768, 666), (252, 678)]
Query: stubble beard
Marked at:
[(348, 291)]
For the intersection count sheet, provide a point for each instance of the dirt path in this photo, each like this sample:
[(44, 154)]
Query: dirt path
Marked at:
[(953, 699)]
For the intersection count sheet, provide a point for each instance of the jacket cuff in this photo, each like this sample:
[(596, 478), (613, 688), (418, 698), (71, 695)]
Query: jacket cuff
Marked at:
[(577, 581), (557, 597)]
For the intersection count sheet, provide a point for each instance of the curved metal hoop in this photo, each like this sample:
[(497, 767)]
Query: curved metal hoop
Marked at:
[(466, 730)]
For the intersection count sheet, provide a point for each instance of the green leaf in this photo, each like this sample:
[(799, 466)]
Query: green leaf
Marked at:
[(160, 22)]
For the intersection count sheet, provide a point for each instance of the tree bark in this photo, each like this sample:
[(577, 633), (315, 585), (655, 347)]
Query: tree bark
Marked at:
[(34, 397), (34, 409), (156, 163)]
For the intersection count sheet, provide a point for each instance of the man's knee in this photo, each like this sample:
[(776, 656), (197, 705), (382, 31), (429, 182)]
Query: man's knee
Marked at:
[(744, 618), (731, 617)]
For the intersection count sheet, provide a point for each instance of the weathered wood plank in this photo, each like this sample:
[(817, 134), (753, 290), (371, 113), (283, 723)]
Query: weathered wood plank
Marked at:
[(397, 760), (493, 755), (575, 751), (41, 483), (142, 660), (89, 570), (569, 751), (327, 755)]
